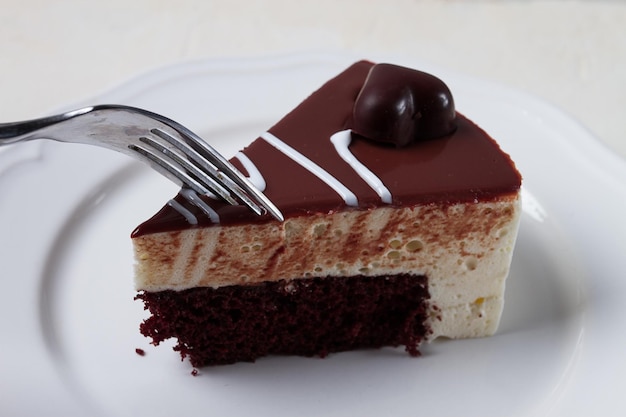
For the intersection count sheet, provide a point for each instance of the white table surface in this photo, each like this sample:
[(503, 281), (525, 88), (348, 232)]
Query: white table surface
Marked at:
[(569, 53)]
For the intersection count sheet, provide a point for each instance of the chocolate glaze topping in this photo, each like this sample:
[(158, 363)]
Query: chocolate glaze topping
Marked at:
[(462, 165)]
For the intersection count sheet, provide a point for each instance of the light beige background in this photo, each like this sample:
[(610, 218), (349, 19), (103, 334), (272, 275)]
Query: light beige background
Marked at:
[(569, 53)]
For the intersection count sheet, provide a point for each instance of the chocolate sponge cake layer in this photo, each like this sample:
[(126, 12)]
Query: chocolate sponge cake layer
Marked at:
[(307, 317)]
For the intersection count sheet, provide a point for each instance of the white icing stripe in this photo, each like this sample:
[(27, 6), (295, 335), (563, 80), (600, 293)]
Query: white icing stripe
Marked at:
[(191, 219), (341, 140), (254, 175), (347, 195), (194, 199)]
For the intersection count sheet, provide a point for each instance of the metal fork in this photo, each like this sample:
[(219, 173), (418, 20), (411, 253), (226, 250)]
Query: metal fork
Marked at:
[(167, 146)]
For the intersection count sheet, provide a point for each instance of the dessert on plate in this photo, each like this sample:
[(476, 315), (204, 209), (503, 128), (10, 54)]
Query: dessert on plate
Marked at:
[(400, 221)]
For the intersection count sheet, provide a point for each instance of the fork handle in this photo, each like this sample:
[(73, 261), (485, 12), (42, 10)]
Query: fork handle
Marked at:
[(20, 131)]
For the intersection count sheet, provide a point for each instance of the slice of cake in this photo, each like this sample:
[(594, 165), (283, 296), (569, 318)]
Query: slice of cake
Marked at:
[(400, 221)]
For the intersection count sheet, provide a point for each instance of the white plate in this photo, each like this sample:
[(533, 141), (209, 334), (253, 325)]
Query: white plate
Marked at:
[(69, 324)]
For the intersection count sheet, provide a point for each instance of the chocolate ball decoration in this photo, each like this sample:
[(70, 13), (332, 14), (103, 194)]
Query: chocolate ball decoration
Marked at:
[(399, 105)]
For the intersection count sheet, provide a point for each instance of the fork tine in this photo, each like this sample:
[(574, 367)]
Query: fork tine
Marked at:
[(207, 153), (207, 172), (169, 170), (193, 172)]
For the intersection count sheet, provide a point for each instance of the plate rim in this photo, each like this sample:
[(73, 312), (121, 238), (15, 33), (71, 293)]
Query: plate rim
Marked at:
[(600, 156)]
